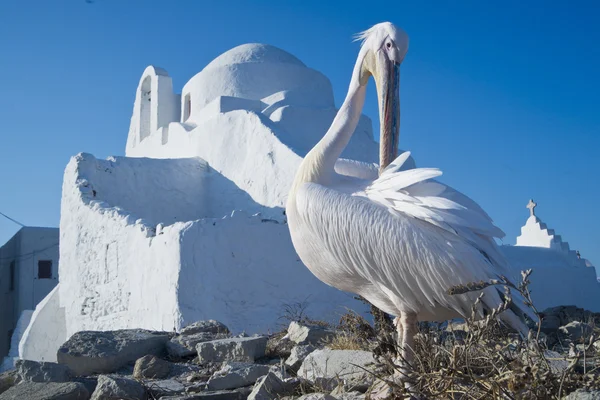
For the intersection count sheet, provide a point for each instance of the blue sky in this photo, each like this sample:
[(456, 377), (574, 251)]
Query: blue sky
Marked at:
[(504, 97)]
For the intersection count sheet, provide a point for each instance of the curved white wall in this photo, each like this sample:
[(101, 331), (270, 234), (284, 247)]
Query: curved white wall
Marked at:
[(46, 331)]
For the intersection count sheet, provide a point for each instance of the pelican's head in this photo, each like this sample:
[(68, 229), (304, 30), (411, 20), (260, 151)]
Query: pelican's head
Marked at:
[(384, 47)]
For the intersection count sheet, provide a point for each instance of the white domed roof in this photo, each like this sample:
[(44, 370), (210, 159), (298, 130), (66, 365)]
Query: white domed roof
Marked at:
[(255, 71), (254, 52)]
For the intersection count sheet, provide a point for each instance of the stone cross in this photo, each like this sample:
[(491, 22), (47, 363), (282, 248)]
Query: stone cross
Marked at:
[(531, 205)]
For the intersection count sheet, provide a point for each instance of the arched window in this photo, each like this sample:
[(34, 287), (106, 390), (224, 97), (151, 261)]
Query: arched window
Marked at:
[(187, 107), (145, 107)]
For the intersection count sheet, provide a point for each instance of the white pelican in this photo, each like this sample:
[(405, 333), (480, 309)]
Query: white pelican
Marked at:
[(396, 237)]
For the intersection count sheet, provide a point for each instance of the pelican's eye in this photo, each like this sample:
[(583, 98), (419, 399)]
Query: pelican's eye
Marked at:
[(388, 45)]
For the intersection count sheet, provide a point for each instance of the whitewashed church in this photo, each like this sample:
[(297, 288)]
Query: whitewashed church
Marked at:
[(190, 224)]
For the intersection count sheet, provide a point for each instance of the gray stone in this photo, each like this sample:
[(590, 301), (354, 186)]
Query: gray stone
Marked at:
[(577, 330), (90, 352), (165, 387), (217, 395), (327, 367), (270, 387), (558, 362), (233, 349), (46, 391), (316, 396), (297, 355), (308, 334), (90, 382), (113, 388), (209, 326), (151, 367), (279, 347), (34, 371), (353, 395), (235, 374), (582, 394), (8, 379), (185, 345), (550, 324), (279, 370)]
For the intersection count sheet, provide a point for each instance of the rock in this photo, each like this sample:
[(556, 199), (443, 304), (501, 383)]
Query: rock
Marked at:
[(46, 391), (558, 363), (209, 326), (380, 390), (235, 374), (550, 324), (113, 388), (316, 396), (279, 347), (566, 314), (577, 330), (8, 379), (33, 371), (308, 334), (90, 383), (327, 367), (354, 395), (270, 387), (90, 352), (582, 394), (151, 367), (233, 349), (165, 387), (297, 355), (279, 370), (218, 395), (185, 345)]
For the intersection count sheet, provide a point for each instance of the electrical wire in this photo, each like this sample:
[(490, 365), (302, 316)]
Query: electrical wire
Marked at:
[(11, 219)]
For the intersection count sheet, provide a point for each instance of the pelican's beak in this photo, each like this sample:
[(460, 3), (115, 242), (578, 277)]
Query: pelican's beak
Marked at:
[(387, 80)]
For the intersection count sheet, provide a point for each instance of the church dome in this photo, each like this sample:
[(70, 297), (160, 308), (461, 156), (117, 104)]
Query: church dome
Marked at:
[(254, 52), (255, 71)]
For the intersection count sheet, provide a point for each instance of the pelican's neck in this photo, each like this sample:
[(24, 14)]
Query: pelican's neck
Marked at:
[(318, 165)]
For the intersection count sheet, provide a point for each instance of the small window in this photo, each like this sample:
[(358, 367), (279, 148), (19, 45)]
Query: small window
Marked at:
[(44, 269), (187, 107), (12, 275)]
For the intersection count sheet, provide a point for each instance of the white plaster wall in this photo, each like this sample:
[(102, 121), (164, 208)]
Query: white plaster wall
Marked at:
[(554, 280), (243, 271), (239, 146), (46, 331), (119, 271), (253, 152), (534, 234), (114, 273), (153, 190)]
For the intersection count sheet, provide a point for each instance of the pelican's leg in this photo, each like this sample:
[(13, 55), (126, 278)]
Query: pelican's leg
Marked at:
[(400, 337), (409, 330)]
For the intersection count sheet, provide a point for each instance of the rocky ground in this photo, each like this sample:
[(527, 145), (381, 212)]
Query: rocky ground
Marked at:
[(313, 361)]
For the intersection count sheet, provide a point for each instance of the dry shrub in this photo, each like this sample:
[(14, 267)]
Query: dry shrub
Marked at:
[(489, 361)]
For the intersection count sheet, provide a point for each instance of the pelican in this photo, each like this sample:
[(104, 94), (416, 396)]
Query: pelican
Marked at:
[(393, 235)]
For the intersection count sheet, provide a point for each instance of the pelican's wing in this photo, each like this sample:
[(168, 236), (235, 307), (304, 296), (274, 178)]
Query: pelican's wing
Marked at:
[(415, 193), (403, 255)]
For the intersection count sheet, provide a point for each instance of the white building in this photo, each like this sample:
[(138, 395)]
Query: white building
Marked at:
[(28, 272), (190, 224), (560, 275)]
